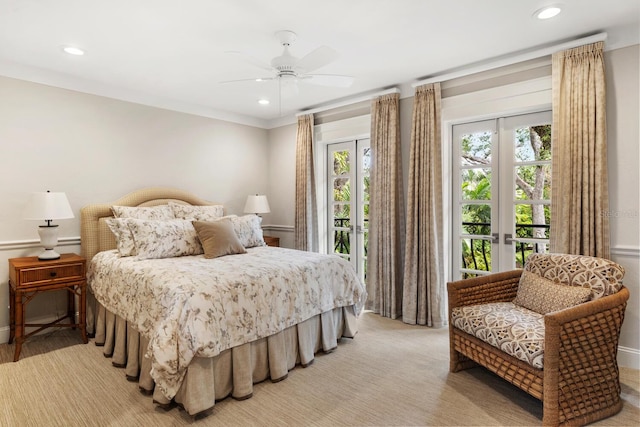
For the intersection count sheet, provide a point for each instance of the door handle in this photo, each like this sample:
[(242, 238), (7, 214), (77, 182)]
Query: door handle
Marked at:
[(508, 239), (358, 229), (495, 238)]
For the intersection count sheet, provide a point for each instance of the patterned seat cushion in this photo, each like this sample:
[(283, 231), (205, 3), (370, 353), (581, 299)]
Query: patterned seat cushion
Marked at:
[(513, 329)]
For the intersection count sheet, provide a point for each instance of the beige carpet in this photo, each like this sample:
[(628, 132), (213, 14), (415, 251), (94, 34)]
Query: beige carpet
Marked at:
[(390, 374)]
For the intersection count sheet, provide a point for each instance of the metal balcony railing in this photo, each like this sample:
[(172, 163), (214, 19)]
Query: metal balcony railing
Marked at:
[(478, 254), (342, 236)]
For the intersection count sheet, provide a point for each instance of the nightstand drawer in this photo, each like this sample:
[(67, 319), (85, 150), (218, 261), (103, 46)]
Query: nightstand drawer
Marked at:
[(39, 275)]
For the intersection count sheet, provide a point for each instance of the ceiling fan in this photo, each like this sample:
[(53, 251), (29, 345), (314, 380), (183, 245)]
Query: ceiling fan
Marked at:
[(288, 70)]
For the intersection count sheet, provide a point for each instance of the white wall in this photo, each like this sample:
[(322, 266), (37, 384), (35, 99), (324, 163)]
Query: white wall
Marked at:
[(98, 149), (282, 184), (622, 68)]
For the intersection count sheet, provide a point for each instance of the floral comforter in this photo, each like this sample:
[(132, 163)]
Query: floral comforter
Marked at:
[(191, 306)]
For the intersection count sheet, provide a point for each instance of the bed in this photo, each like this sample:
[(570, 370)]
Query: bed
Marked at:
[(194, 326)]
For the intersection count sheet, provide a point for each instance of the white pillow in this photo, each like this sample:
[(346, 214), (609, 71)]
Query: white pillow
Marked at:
[(197, 213), (143, 212), (249, 231), (164, 239)]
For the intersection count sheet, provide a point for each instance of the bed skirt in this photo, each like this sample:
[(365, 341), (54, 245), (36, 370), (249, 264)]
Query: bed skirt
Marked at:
[(234, 371)]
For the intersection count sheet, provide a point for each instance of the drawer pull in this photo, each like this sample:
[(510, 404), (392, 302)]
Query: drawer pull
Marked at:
[(53, 274)]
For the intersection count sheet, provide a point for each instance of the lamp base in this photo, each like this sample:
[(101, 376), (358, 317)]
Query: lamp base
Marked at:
[(48, 254), (49, 240)]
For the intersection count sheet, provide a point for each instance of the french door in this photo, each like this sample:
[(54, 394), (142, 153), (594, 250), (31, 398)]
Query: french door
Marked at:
[(349, 165), (501, 192)]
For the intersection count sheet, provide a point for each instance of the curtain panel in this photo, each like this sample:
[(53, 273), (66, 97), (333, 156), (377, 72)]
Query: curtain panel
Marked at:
[(386, 210), (423, 292), (306, 215), (579, 200)]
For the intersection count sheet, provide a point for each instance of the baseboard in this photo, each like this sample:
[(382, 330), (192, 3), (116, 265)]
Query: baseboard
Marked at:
[(4, 335), (629, 357)]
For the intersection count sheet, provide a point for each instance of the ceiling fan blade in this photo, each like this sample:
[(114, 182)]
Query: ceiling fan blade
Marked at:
[(256, 79), (335, 80), (316, 59), (251, 60)]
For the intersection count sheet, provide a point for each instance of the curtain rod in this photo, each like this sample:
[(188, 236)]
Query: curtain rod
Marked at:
[(348, 102), (538, 53)]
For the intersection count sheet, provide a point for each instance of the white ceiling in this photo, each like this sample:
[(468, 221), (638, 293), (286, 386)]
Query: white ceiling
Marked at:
[(174, 54)]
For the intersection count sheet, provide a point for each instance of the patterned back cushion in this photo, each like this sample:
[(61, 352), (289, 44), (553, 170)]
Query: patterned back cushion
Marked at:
[(602, 276), (544, 296)]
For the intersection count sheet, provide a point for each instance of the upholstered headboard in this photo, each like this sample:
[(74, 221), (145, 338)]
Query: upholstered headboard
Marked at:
[(94, 232)]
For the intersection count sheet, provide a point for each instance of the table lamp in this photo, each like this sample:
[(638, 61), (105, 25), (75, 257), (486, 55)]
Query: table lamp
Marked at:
[(48, 207), (257, 204)]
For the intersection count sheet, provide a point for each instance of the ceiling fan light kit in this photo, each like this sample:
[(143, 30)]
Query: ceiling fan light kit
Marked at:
[(288, 70)]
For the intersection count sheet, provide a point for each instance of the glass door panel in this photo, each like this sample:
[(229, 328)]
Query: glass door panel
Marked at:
[(473, 195), (349, 166), (528, 154)]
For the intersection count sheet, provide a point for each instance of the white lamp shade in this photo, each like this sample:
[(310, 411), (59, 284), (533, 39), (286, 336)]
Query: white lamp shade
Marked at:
[(257, 204), (48, 206)]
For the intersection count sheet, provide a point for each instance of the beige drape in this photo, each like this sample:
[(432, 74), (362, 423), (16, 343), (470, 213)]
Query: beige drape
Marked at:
[(579, 200), (423, 291), (386, 210), (306, 216)]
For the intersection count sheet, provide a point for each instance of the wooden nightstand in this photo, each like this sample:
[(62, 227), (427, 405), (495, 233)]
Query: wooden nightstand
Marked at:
[(272, 241), (28, 276)]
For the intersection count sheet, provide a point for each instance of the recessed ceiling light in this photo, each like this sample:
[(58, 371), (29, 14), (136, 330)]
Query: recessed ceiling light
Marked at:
[(548, 12), (73, 50), (263, 101)]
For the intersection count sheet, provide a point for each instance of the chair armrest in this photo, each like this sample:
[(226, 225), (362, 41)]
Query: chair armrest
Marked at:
[(580, 351), (496, 287)]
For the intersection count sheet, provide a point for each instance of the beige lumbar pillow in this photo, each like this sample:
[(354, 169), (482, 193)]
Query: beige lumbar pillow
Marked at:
[(218, 238), (545, 296)]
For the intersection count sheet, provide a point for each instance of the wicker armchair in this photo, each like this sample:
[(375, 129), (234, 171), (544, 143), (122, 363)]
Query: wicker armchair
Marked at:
[(579, 380)]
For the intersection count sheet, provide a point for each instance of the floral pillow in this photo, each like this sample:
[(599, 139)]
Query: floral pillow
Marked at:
[(164, 239), (545, 296), (159, 212), (197, 213), (124, 238), (249, 230), (218, 238), (120, 227)]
